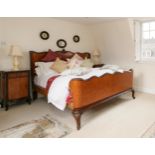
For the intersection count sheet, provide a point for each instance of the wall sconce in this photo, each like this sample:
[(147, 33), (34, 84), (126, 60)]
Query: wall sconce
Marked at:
[(96, 56), (16, 53)]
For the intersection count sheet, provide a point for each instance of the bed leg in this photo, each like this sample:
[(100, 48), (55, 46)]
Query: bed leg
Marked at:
[(77, 115), (133, 93)]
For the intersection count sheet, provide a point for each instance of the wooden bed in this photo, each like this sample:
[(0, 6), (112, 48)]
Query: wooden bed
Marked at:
[(87, 93)]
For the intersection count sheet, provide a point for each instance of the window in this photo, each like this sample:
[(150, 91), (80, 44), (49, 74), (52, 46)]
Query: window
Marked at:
[(145, 40)]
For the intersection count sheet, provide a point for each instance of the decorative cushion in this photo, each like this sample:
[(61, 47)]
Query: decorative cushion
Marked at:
[(50, 56), (87, 63), (75, 61), (59, 65)]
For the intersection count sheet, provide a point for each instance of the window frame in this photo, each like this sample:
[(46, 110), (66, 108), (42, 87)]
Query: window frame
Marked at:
[(139, 42)]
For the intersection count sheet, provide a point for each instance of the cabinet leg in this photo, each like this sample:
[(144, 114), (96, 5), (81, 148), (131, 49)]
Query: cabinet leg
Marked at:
[(133, 94), (35, 95), (77, 116), (29, 101), (2, 104), (6, 107)]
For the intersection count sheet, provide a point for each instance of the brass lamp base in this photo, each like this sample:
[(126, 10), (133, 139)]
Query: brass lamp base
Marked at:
[(96, 60), (16, 68)]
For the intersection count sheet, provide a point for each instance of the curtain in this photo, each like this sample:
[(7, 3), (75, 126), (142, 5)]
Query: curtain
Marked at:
[(137, 39)]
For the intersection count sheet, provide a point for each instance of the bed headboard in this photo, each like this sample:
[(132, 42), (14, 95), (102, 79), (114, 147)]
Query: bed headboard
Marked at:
[(37, 56)]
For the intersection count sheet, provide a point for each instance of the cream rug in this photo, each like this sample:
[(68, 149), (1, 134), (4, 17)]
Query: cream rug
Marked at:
[(44, 127), (150, 132)]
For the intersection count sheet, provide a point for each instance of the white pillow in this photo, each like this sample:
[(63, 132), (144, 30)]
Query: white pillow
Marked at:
[(38, 71), (43, 67)]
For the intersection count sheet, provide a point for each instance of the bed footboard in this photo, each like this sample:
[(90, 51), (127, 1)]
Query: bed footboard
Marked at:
[(87, 93)]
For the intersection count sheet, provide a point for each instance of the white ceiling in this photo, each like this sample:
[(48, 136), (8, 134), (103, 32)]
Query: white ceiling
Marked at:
[(90, 20)]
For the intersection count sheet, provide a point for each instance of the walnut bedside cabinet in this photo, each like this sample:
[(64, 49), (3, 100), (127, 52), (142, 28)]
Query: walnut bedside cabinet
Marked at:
[(14, 86)]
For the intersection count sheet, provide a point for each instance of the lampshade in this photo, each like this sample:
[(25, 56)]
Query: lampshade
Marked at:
[(96, 52), (15, 51)]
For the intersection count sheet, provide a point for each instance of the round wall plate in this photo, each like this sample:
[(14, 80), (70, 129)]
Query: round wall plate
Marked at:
[(76, 38), (61, 43), (44, 35)]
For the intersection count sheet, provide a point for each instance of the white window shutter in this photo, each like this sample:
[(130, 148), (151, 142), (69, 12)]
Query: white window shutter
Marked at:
[(137, 35)]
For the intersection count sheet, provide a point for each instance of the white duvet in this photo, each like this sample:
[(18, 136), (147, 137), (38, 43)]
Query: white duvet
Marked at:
[(59, 89)]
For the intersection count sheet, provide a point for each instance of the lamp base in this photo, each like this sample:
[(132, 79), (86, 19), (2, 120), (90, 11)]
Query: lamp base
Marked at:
[(15, 63), (96, 60), (16, 68)]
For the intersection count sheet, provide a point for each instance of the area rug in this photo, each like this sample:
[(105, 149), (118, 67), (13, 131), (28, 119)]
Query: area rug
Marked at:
[(43, 127), (150, 132)]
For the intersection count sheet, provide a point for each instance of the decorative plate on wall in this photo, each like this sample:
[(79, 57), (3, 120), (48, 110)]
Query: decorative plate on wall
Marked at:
[(61, 43), (76, 38), (44, 35)]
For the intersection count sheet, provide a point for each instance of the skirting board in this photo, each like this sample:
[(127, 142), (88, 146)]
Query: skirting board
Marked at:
[(145, 90)]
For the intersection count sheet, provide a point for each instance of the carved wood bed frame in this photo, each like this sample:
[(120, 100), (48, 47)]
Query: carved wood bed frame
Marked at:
[(87, 93)]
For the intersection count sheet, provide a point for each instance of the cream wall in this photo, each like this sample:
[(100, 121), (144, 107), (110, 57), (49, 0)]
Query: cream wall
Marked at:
[(116, 42), (25, 32), (113, 38)]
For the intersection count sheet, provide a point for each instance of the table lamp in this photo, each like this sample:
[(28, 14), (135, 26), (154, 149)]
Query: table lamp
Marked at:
[(96, 56), (16, 53)]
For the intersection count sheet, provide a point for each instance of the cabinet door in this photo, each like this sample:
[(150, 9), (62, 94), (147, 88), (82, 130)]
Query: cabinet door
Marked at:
[(18, 85)]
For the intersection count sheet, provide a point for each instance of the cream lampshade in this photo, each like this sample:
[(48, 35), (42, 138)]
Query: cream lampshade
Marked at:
[(96, 56), (16, 53)]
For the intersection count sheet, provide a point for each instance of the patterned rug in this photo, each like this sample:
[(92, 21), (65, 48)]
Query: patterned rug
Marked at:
[(150, 132), (44, 127)]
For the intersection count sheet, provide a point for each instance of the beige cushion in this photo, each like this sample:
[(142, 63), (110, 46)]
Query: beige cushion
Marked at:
[(59, 65), (87, 63), (75, 61)]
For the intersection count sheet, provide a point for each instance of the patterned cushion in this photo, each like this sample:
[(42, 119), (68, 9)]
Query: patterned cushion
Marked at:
[(75, 61), (59, 65)]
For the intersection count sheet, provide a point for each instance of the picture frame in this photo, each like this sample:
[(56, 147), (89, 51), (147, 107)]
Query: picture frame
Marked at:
[(44, 35), (61, 43), (76, 38)]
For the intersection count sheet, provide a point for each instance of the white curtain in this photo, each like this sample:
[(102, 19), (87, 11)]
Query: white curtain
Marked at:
[(137, 36)]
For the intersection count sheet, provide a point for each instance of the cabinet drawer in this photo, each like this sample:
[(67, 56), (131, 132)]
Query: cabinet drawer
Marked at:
[(15, 75)]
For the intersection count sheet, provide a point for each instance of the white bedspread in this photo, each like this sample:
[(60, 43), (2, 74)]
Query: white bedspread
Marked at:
[(59, 89)]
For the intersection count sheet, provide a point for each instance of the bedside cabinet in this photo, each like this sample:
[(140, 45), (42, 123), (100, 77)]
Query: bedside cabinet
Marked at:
[(98, 65), (14, 86)]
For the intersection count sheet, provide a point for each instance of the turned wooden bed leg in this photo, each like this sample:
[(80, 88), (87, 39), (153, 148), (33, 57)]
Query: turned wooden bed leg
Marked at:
[(77, 115), (133, 93)]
